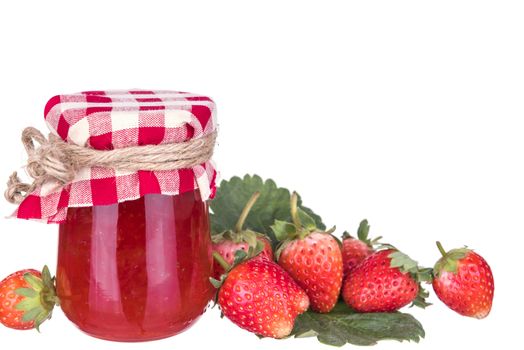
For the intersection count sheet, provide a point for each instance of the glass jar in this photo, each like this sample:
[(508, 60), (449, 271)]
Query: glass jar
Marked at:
[(128, 269), (136, 270)]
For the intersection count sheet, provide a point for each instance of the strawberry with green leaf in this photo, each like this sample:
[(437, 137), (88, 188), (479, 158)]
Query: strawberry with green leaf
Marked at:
[(464, 282), (273, 204), (257, 295), (337, 327), (228, 242), (311, 256), (27, 299), (355, 250), (386, 281)]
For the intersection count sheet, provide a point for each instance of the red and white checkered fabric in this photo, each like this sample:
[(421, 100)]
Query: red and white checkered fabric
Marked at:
[(116, 119)]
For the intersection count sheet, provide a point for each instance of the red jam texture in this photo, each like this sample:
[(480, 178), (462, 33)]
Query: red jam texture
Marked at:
[(137, 270)]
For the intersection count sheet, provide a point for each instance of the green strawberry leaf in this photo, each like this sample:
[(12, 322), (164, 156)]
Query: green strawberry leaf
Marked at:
[(420, 300), (26, 292), (251, 238), (217, 283), (35, 282), (363, 235), (41, 318), (30, 315), (307, 221), (425, 274), (46, 276), (240, 256), (403, 262), (283, 230), (381, 246), (363, 231), (273, 204), (343, 325), (255, 250)]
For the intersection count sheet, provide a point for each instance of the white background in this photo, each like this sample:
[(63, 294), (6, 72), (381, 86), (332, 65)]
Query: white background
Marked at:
[(408, 113)]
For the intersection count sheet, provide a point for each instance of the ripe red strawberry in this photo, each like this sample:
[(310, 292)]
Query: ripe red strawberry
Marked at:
[(385, 281), (259, 296), (228, 242), (27, 298), (312, 257), (354, 250), (464, 282)]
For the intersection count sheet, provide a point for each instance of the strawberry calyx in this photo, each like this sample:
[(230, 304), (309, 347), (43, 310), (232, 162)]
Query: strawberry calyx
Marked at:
[(449, 260), (363, 234), (239, 234), (302, 226), (39, 298), (245, 236), (420, 274)]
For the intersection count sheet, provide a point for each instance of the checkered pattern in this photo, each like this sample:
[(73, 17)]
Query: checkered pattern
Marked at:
[(107, 120)]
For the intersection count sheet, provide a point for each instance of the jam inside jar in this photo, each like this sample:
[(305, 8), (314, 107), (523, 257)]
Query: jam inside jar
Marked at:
[(136, 270)]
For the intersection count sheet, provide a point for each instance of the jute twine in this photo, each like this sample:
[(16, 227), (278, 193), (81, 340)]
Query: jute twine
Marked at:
[(58, 160)]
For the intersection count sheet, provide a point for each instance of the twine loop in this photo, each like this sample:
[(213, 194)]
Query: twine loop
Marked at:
[(59, 161)]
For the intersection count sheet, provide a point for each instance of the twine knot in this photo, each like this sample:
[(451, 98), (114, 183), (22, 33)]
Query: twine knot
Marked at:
[(59, 161)]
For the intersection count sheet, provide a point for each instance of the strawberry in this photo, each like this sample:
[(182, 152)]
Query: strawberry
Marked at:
[(27, 298), (354, 250), (259, 296), (228, 242), (312, 257), (385, 281), (464, 282)]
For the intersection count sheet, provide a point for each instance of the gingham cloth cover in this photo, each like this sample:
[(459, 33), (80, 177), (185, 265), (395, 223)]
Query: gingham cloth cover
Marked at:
[(116, 119)]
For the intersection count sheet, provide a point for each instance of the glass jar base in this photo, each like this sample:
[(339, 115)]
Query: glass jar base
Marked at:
[(137, 338)]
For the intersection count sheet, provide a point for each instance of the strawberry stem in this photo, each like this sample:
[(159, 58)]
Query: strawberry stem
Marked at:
[(245, 211), (294, 211), (220, 260), (441, 249)]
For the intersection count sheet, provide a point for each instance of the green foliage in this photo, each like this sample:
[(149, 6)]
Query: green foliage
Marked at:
[(271, 215), (273, 204), (343, 325), (283, 230), (363, 231), (420, 300)]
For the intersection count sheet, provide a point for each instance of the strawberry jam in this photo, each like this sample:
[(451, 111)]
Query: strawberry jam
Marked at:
[(137, 270)]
